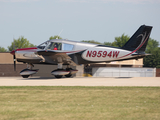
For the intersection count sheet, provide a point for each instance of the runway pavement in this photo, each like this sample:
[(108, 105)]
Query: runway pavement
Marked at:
[(82, 81)]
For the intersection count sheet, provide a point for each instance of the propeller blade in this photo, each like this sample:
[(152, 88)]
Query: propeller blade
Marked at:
[(14, 59)]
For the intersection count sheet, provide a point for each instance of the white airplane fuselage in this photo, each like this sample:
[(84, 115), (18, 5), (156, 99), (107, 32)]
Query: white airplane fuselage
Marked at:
[(90, 53)]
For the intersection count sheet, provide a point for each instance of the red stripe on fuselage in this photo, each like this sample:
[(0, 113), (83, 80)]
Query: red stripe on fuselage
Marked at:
[(21, 49)]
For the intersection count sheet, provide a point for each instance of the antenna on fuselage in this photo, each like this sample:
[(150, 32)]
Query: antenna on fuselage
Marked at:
[(59, 34)]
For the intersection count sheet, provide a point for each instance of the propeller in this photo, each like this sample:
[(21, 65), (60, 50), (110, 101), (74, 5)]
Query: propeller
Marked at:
[(13, 53), (14, 59)]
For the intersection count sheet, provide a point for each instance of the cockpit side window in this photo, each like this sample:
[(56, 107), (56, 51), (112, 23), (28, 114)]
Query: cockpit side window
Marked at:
[(54, 46), (67, 46)]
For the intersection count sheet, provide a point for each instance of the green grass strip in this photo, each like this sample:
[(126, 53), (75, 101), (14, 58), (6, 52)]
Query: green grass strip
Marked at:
[(79, 103)]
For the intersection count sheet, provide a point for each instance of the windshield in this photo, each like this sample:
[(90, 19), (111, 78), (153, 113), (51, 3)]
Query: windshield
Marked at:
[(43, 45)]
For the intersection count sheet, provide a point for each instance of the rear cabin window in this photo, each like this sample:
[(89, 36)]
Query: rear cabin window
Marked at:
[(67, 46)]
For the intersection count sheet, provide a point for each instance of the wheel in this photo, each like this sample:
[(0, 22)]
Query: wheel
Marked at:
[(58, 76), (25, 76), (68, 75)]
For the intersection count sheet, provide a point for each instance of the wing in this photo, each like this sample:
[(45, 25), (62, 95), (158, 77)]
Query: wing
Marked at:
[(57, 56)]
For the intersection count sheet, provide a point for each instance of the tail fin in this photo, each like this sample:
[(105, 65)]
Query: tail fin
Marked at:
[(139, 40)]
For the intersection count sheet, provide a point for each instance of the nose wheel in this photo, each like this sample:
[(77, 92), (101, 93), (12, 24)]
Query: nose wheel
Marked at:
[(25, 73)]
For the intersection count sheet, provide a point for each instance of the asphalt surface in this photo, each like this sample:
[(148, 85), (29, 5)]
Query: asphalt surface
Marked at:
[(82, 81)]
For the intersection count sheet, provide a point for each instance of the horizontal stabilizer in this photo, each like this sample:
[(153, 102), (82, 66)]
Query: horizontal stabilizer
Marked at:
[(143, 54)]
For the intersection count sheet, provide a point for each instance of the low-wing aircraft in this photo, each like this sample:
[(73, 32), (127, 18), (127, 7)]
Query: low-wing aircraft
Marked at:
[(71, 53)]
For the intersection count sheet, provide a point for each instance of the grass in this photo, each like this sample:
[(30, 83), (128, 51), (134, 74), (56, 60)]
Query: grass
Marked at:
[(79, 103)]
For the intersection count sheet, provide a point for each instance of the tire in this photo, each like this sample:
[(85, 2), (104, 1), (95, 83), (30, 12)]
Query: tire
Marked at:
[(68, 75), (25, 76), (58, 76)]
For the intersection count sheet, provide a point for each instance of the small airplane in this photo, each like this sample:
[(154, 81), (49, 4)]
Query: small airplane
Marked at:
[(71, 53)]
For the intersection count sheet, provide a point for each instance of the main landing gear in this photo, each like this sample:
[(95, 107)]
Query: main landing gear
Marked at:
[(68, 72), (58, 73), (28, 71)]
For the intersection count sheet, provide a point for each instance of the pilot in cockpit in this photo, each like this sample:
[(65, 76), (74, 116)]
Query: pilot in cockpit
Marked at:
[(55, 46)]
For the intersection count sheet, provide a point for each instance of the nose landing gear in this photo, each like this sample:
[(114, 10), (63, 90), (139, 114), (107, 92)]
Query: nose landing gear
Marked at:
[(25, 73)]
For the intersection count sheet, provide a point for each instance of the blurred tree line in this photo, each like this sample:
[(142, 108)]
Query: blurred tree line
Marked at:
[(152, 48)]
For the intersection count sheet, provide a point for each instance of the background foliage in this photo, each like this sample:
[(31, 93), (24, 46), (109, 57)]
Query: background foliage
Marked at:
[(2, 49), (21, 42), (55, 37)]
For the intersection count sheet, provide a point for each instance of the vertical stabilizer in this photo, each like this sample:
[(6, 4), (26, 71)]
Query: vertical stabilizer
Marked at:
[(139, 40)]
